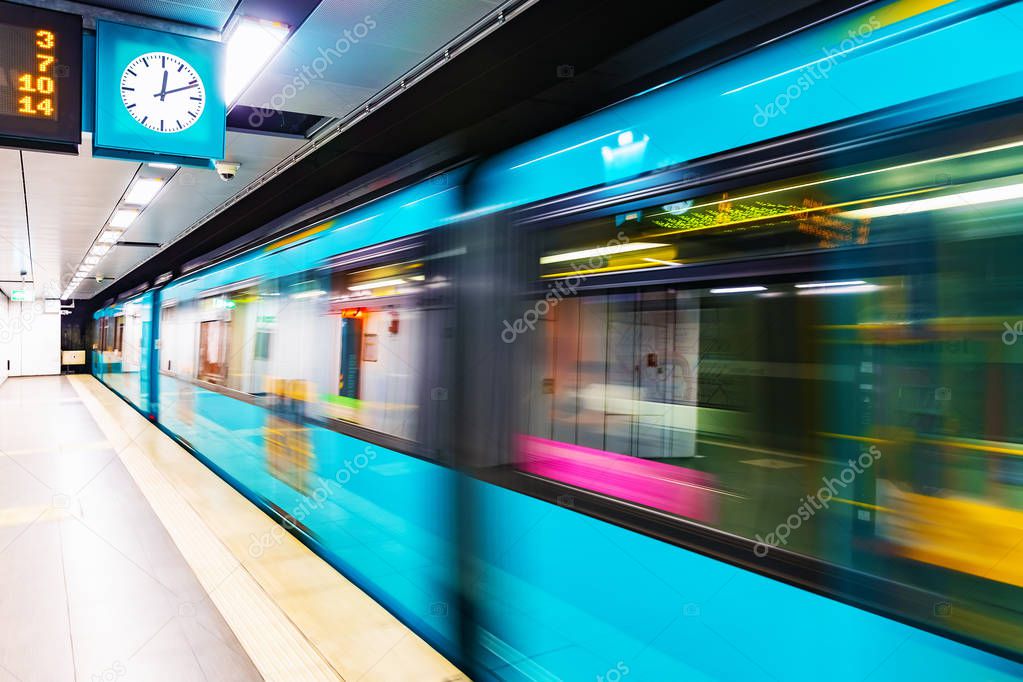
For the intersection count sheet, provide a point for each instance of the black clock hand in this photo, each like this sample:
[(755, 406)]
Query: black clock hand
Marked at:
[(163, 88), (187, 87)]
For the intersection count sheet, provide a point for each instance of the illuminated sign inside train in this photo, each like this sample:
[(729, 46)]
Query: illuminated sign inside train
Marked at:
[(40, 78)]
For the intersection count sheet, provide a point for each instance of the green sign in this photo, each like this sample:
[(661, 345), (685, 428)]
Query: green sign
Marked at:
[(22, 295)]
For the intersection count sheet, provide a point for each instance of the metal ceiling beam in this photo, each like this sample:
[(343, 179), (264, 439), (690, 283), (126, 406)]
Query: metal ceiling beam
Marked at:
[(90, 14)]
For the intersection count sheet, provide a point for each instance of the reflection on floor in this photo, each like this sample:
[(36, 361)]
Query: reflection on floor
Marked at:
[(91, 584), (122, 557)]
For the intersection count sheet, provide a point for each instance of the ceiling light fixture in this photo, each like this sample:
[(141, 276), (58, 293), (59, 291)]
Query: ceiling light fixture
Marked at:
[(598, 252), (123, 217), (854, 289), (143, 191), (738, 290), (251, 43), (316, 293), (821, 285), (109, 236), (958, 200), (377, 284)]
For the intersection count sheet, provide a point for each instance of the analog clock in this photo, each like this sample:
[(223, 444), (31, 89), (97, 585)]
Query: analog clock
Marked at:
[(162, 92)]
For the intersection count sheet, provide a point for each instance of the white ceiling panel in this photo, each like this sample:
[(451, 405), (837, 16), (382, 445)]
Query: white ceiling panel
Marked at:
[(189, 195), (193, 192), (69, 201), (14, 247)]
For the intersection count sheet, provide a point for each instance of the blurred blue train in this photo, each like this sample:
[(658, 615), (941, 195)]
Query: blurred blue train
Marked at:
[(720, 382)]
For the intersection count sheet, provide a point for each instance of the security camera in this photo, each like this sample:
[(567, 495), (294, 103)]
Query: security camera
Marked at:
[(99, 279), (226, 170)]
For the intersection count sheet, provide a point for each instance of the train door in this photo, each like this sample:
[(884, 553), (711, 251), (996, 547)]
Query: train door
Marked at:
[(213, 351)]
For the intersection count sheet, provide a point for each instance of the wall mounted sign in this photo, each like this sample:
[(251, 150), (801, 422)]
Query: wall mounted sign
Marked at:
[(40, 78), (159, 96)]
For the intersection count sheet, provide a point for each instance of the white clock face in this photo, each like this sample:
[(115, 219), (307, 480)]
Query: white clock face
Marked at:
[(162, 92)]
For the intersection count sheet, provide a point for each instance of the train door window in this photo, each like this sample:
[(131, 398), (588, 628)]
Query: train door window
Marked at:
[(380, 332), (213, 351), (119, 333)]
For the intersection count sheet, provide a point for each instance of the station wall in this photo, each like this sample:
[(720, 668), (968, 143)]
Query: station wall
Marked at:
[(29, 339)]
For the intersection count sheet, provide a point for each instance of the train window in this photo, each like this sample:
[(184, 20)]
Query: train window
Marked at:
[(832, 415), (213, 351), (839, 210), (380, 332), (118, 333), (261, 350)]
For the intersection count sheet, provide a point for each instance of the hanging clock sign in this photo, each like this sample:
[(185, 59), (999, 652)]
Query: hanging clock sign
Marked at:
[(159, 96)]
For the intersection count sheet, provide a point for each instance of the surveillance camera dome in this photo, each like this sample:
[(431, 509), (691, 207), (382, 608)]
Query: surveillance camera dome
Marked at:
[(226, 170)]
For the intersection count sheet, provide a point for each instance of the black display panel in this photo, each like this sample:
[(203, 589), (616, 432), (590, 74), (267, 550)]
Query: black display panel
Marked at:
[(40, 78)]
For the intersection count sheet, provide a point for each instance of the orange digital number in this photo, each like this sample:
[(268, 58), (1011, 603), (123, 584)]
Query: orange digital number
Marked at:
[(29, 83), (45, 106), (45, 60), (25, 105), (45, 39)]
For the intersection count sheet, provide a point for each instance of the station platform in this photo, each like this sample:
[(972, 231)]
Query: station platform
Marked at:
[(122, 557)]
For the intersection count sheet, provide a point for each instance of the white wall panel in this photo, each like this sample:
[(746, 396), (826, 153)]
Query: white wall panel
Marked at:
[(5, 336), (30, 339)]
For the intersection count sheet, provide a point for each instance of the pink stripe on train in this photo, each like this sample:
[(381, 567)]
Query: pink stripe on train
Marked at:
[(654, 484)]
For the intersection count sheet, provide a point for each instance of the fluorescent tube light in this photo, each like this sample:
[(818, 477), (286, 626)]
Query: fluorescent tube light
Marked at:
[(598, 252), (738, 290), (123, 217), (143, 191), (957, 200), (821, 285), (378, 284), (250, 46)]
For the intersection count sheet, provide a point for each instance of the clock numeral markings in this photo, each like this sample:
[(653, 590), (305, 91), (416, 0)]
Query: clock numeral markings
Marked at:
[(171, 109)]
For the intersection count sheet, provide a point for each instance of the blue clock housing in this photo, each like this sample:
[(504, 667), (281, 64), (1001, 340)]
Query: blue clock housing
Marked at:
[(118, 134)]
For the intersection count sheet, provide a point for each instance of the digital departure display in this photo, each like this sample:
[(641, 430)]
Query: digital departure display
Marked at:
[(40, 77)]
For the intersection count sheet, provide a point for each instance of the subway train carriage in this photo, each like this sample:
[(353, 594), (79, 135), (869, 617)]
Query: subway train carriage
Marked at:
[(735, 359)]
